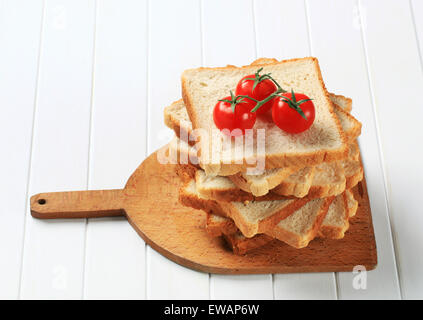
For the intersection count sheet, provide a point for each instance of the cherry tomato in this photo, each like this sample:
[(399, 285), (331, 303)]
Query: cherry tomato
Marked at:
[(262, 90), (225, 118), (289, 119)]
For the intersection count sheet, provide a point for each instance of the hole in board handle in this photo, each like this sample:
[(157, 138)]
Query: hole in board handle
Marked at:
[(42, 201)]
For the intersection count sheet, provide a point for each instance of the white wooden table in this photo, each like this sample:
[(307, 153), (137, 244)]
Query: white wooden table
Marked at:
[(82, 88)]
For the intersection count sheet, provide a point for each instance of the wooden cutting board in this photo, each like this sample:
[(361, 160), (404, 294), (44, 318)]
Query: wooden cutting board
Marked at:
[(150, 203)]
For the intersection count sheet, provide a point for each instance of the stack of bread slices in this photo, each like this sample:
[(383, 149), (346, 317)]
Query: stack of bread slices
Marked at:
[(303, 192)]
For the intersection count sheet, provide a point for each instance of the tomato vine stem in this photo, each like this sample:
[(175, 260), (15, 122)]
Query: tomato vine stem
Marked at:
[(293, 103)]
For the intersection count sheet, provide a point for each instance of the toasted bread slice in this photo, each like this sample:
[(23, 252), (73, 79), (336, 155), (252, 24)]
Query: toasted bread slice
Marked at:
[(342, 101), (250, 218), (241, 245), (217, 225), (301, 227), (297, 184), (352, 204), (189, 197), (261, 61), (176, 118), (323, 141), (297, 230), (341, 209), (350, 125), (336, 221), (223, 189), (328, 181), (261, 184), (334, 225), (353, 171), (220, 226)]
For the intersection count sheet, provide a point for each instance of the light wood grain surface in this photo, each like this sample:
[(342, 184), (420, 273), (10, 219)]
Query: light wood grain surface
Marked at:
[(84, 84)]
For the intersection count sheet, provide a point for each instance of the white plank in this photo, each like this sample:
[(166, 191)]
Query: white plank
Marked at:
[(20, 27), (254, 287), (115, 254), (228, 32), (283, 35), (229, 38), (336, 41), (174, 45), (53, 250), (417, 11), (397, 80), (305, 286), (171, 50), (168, 280)]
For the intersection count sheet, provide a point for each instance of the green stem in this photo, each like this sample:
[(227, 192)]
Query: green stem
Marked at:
[(270, 97)]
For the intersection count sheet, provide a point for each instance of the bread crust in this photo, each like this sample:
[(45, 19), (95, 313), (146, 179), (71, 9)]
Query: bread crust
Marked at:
[(250, 229), (353, 180), (241, 245), (353, 210), (337, 232), (281, 160), (298, 190), (188, 171), (294, 239), (175, 125), (244, 245), (348, 107), (285, 190), (262, 189), (352, 133), (239, 195), (227, 209), (216, 229), (209, 206)]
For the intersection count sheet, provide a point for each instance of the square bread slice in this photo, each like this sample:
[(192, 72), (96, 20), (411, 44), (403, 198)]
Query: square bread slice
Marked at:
[(176, 118), (323, 141), (250, 218)]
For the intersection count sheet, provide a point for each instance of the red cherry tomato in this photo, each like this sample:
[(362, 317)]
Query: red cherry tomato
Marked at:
[(262, 90), (225, 118), (289, 119)]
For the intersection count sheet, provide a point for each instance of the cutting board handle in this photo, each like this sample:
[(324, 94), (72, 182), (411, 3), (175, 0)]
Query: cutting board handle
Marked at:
[(78, 204)]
